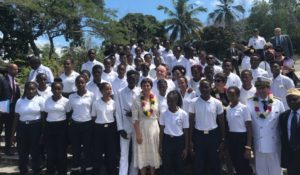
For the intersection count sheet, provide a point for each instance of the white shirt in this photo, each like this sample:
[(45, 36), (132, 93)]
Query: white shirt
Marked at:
[(57, 109), (237, 116), (124, 99), (233, 80), (174, 122), (109, 77), (81, 106), (258, 72), (206, 112), (118, 84), (290, 121), (46, 93), (195, 86), (90, 64), (41, 69), (166, 55), (246, 94), (257, 43), (186, 100), (246, 63), (217, 69), (266, 66), (69, 81), (162, 104), (171, 86), (104, 111), (279, 86), (183, 62), (30, 109)]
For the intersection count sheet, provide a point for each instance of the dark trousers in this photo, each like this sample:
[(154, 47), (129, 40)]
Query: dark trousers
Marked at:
[(293, 166), (80, 134), (28, 138), (172, 148), (56, 146), (105, 142), (237, 142), (7, 121), (206, 151)]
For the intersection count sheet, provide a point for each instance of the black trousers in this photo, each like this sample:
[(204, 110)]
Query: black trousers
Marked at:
[(105, 142), (206, 151), (237, 142), (56, 146), (293, 166), (28, 138), (80, 134), (172, 148), (7, 121)]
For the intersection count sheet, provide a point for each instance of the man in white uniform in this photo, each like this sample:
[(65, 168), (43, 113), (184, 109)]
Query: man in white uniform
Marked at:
[(265, 111)]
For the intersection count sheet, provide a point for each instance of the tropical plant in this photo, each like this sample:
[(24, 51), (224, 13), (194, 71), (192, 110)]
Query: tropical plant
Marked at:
[(226, 13), (182, 23)]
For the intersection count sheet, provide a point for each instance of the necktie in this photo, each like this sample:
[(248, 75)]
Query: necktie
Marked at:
[(277, 40), (13, 89), (294, 138), (265, 105)]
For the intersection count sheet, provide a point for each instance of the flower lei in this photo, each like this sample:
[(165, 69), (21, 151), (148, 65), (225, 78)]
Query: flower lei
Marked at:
[(149, 112), (265, 114)]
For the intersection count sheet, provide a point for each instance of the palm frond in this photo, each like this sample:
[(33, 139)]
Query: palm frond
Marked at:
[(166, 10)]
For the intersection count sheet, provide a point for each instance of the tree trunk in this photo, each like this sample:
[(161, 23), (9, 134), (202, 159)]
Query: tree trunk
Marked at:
[(51, 50), (36, 50)]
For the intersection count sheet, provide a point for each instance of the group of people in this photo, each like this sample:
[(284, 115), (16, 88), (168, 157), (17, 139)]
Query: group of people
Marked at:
[(140, 110)]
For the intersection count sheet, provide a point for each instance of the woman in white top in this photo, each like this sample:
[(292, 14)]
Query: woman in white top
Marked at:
[(105, 131), (56, 130), (186, 93), (174, 138), (240, 132), (29, 127), (43, 90), (68, 77), (162, 86), (81, 127)]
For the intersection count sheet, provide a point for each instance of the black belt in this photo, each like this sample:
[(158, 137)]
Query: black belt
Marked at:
[(207, 132), (28, 122), (105, 125), (76, 122), (172, 137)]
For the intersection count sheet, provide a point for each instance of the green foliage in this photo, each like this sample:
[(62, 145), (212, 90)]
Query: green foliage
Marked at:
[(182, 23)]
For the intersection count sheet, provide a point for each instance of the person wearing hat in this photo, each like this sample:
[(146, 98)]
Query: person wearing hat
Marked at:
[(290, 133), (265, 110), (257, 42)]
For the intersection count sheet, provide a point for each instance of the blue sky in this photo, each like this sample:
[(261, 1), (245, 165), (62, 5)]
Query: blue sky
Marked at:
[(149, 7)]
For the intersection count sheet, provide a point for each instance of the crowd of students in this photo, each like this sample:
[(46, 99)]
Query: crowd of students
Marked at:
[(140, 111)]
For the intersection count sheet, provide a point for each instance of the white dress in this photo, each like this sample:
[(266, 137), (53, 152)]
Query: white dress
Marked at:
[(147, 153)]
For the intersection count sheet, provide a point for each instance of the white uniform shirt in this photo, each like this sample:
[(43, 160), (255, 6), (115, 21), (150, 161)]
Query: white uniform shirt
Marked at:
[(217, 69), (246, 94), (183, 62), (233, 80), (246, 63), (258, 72), (162, 104), (57, 109), (124, 99), (90, 64), (195, 86), (167, 56), (186, 100), (109, 77), (81, 106), (69, 82), (41, 69), (206, 113), (237, 116), (104, 111), (266, 66), (46, 93), (171, 86), (279, 86), (266, 131), (174, 122), (30, 109), (118, 84), (257, 43)]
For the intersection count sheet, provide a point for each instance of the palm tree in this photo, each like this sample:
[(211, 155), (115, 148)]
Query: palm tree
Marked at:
[(182, 22), (226, 13)]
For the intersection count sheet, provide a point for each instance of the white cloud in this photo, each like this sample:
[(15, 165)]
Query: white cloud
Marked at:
[(198, 2)]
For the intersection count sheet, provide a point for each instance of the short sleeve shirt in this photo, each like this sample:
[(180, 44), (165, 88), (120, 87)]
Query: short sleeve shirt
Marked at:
[(104, 111), (174, 122), (206, 112), (57, 109), (81, 106), (30, 109), (237, 116)]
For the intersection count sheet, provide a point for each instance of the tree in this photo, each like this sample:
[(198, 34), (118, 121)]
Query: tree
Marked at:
[(182, 22), (226, 13), (32, 19)]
